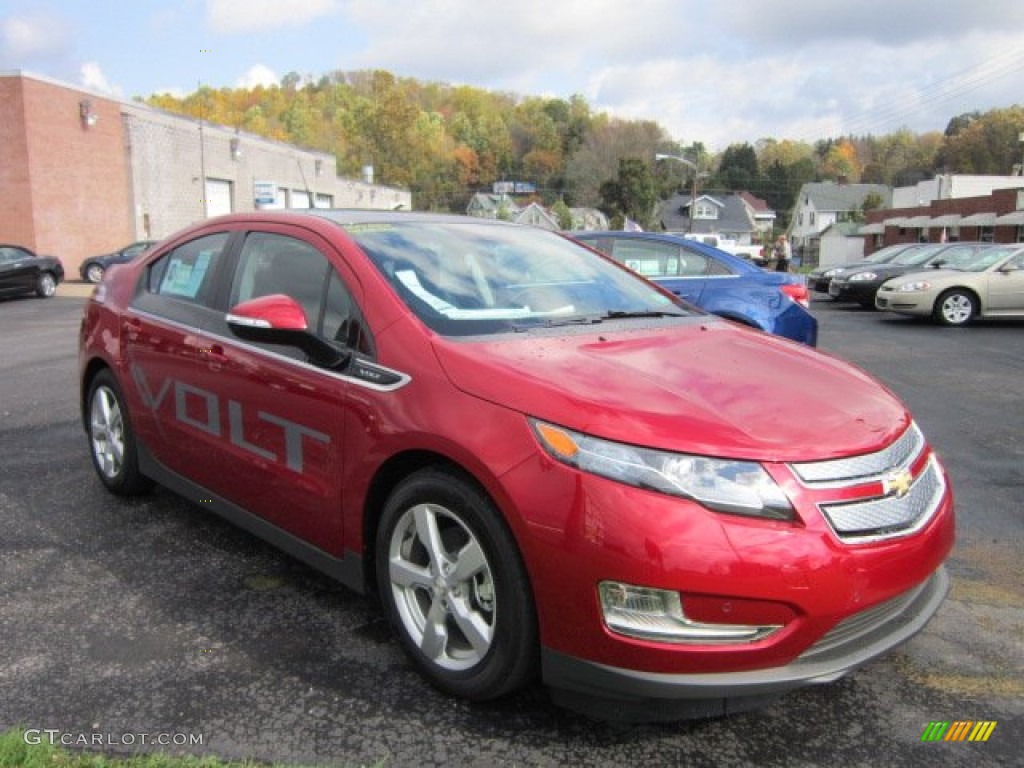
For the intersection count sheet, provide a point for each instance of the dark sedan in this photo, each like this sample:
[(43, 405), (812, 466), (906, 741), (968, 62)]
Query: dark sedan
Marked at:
[(716, 281), (819, 279), (861, 284), (93, 268), (22, 271)]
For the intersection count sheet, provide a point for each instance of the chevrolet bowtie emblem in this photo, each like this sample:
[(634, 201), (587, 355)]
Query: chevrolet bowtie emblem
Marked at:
[(898, 483)]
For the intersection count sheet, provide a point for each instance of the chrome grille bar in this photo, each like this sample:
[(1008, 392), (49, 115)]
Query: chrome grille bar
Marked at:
[(864, 468)]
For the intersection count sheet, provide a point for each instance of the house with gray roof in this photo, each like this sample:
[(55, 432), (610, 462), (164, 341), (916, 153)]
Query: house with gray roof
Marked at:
[(820, 204), (740, 217), (489, 206)]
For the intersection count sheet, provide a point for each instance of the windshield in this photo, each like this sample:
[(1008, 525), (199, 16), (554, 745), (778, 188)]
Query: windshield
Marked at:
[(478, 277), (974, 259), (886, 254), (915, 255)]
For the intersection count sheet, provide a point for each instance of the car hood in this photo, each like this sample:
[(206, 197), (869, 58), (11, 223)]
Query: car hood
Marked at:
[(701, 386), (884, 271), (938, 276)]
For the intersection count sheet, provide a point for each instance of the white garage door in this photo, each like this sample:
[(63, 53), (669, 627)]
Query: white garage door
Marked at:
[(300, 199), (218, 197)]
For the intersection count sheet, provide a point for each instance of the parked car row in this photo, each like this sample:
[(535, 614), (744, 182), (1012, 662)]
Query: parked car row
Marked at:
[(953, 283)]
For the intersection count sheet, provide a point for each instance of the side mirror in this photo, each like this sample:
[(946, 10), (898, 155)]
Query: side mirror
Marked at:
[(278, 319), (938, 264)]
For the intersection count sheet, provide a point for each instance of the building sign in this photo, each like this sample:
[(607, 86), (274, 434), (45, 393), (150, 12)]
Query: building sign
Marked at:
[(514, 188), (264, 192)]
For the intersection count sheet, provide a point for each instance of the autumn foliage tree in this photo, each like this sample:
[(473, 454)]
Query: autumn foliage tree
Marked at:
[(445, 142)]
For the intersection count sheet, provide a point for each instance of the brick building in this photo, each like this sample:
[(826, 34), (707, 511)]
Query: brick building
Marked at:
[(997, 216), (82, 173)]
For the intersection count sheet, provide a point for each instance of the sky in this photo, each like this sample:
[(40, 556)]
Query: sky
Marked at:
[(714, 71)]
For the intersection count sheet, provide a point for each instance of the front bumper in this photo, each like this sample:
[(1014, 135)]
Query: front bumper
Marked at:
[(861, 291), (904, 303), (610, 692)]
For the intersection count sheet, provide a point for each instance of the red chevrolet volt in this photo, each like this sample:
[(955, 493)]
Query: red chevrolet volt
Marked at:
[(542, 463)]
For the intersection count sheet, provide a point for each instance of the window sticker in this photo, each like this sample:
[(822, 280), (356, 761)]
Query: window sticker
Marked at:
[(184, 276), (411, 280)]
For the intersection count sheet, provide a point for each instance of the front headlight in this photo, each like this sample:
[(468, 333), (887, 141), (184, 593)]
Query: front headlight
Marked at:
[(734, 487), (863, 276), (832, 272), (919, 285)]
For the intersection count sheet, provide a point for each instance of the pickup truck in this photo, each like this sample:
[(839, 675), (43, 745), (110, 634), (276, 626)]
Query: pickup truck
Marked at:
[(750, 252)]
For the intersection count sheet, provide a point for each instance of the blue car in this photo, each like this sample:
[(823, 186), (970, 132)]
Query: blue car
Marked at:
[(716, 281)]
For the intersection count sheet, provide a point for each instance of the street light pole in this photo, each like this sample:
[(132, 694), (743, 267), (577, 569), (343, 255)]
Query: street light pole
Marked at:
[(689, 164)]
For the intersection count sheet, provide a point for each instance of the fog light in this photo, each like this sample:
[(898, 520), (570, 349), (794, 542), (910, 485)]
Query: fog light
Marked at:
[(657, 614)]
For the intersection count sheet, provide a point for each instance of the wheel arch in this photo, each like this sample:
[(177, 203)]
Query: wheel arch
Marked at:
[(89, 372), (392, 472), (962, 289)]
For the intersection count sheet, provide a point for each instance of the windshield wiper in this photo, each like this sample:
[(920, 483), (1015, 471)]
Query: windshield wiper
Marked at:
[(555, 323), (616, 314)]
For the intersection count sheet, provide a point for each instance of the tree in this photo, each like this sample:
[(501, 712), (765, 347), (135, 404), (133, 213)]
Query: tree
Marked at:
[(737, 168), (563, 214), (840, 161), (983, 144), (608, 141), (632, 193)]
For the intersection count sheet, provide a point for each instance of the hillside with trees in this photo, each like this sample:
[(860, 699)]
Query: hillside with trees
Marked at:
[(445, 142)]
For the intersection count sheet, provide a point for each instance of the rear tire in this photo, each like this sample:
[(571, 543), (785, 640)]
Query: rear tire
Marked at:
[(454, 588), (956, 307), (111, 438)]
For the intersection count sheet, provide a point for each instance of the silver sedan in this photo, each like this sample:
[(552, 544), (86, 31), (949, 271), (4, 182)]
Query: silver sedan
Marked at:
[(985, 283)]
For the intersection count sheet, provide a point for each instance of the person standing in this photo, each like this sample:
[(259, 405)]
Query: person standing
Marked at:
[(783, 254)]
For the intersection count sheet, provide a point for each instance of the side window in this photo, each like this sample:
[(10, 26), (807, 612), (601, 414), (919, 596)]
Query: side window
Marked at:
[(187, 273), (271, 263), (718, 268), (9, 254), (603, 244), (693, 264), (343, 321), (650, 258)]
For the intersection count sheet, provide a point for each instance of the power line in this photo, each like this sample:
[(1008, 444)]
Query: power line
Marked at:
[(964, 81)]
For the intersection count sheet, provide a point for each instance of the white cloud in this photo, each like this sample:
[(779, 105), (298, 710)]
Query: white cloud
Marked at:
[(258, 74), (33, 36), (92, 77), (238, 16)]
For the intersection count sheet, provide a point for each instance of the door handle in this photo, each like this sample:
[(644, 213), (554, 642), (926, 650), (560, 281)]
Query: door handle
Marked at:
[(214, 354)]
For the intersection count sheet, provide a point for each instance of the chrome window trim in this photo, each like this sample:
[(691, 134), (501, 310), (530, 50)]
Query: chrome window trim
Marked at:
[(404, 378)]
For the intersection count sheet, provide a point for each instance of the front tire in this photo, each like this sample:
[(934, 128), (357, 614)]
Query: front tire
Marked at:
[(46, 285), (94, 273), (956, 307), (111, 439), (454, 588)]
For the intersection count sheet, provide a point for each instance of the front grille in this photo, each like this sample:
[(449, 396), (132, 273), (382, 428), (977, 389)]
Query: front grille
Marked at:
[(886, 513), (889, 515), (863, 468)]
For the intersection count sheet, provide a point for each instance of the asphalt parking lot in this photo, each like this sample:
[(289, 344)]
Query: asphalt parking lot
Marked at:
[(151, 617)]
